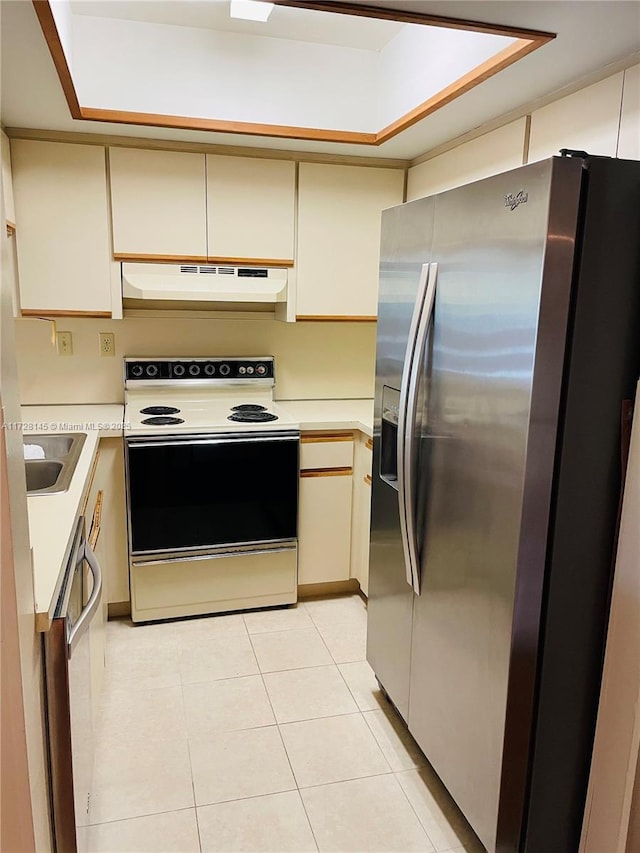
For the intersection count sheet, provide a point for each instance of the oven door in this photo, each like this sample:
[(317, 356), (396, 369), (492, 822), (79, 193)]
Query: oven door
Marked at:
[(211, 494)]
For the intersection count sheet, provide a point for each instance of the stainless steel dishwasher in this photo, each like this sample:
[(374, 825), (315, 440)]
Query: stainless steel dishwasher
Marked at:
[(68, 691)]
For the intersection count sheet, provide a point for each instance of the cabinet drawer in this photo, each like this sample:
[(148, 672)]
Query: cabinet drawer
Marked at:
[(326, 451)]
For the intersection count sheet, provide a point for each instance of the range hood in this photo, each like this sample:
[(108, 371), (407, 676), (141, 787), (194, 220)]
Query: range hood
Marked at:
[(212, 287)]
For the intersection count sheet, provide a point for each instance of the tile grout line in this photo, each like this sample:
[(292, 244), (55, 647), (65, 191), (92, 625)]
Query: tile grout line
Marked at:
[(284, 746), (142, 816)]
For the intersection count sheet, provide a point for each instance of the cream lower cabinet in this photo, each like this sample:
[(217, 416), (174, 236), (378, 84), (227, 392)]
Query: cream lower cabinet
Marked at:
[(361, 512), (324, 520), (62, 227), (106, 529), (338, 249), (105, 524)]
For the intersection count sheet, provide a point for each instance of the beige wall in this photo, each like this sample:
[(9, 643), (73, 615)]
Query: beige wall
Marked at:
[(313, 360)]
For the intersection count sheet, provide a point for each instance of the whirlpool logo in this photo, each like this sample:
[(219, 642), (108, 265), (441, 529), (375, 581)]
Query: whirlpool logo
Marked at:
[(512, 201)]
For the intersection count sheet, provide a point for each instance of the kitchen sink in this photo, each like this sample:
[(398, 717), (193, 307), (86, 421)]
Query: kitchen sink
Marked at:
[(58, 455), (42, 474)]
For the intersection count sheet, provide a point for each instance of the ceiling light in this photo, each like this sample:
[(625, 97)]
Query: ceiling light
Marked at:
[(250, 10)]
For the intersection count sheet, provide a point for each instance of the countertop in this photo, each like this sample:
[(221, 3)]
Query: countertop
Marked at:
[(331, 414), (52, 517)]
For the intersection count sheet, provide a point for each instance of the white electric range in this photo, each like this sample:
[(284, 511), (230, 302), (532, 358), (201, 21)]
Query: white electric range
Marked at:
[(212, 467)]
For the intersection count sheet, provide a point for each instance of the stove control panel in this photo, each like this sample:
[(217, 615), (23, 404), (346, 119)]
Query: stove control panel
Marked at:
[(202, 369)]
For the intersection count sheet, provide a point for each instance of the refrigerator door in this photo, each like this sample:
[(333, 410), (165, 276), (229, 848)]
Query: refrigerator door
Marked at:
[(490, 241), (405, 252)]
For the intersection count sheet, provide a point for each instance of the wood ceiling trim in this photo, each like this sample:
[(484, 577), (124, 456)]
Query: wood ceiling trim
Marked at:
[(52, 37), (218, 126), (405, 17), (493, 65), (527, 42)]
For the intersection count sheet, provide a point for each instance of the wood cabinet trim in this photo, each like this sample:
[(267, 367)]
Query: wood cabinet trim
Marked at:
[(327, 472), (47, 312), (128, 257), (253, 262), (316, 438), (95, 521), (335, 318), (159, 259)]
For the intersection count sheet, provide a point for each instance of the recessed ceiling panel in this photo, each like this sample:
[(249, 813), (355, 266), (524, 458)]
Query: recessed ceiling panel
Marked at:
[(305, 73)]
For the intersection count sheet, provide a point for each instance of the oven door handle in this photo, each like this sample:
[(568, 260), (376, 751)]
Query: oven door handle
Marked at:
[(133, 443)]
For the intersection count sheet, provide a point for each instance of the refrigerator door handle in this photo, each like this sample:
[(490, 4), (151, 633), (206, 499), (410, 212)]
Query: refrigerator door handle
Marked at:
[(92, 604), (404, 473), (423, 317)]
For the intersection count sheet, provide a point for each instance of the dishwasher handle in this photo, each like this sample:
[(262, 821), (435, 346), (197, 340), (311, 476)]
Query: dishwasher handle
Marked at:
[(92, 604)]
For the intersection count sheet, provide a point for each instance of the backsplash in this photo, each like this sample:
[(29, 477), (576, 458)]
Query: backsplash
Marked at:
[(313, 360)]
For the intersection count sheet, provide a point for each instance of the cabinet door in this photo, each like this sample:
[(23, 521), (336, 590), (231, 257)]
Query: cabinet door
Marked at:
[(587, 120), (324, 527), (250, 209), (339, 238), (361, 516), (158, 201), (62, 233)]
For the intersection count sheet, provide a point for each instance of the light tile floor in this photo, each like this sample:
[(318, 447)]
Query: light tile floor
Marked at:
[(264, 732)]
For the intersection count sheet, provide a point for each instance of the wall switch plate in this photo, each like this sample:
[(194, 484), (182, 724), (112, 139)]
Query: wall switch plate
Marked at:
[(64, 343), (107, 343)]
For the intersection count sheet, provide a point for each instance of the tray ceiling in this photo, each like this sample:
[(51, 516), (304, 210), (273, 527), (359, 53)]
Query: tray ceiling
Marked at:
[(595, 38), (360, 78)]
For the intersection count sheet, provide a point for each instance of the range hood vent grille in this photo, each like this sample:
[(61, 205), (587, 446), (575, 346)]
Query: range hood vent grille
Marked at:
[(186, 283)]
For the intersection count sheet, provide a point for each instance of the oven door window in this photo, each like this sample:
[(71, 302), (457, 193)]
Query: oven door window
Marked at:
[(198, 493)]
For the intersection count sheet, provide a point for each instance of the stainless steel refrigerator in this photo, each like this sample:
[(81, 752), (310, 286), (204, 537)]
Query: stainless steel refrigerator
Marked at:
[(508, 339)]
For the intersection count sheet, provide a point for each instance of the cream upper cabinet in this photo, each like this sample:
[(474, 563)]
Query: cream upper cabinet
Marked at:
[(339, 238), (489, 154), (587, 120), (158, 201), (62, 227), (250, 209)]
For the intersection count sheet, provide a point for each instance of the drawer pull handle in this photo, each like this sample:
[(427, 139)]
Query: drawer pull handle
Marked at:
[(327, 472), (367, 479)]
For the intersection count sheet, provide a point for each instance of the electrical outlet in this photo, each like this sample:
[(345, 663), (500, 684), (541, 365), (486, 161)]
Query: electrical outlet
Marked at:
[(64, 343), (107, 343)]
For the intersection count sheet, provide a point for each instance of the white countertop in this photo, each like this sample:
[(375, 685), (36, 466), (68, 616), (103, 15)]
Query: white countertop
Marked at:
[(52, 517), (330, 414)]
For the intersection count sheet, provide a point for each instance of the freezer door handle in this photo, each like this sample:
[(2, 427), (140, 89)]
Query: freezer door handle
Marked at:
[(421, 323), (92, 604)]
